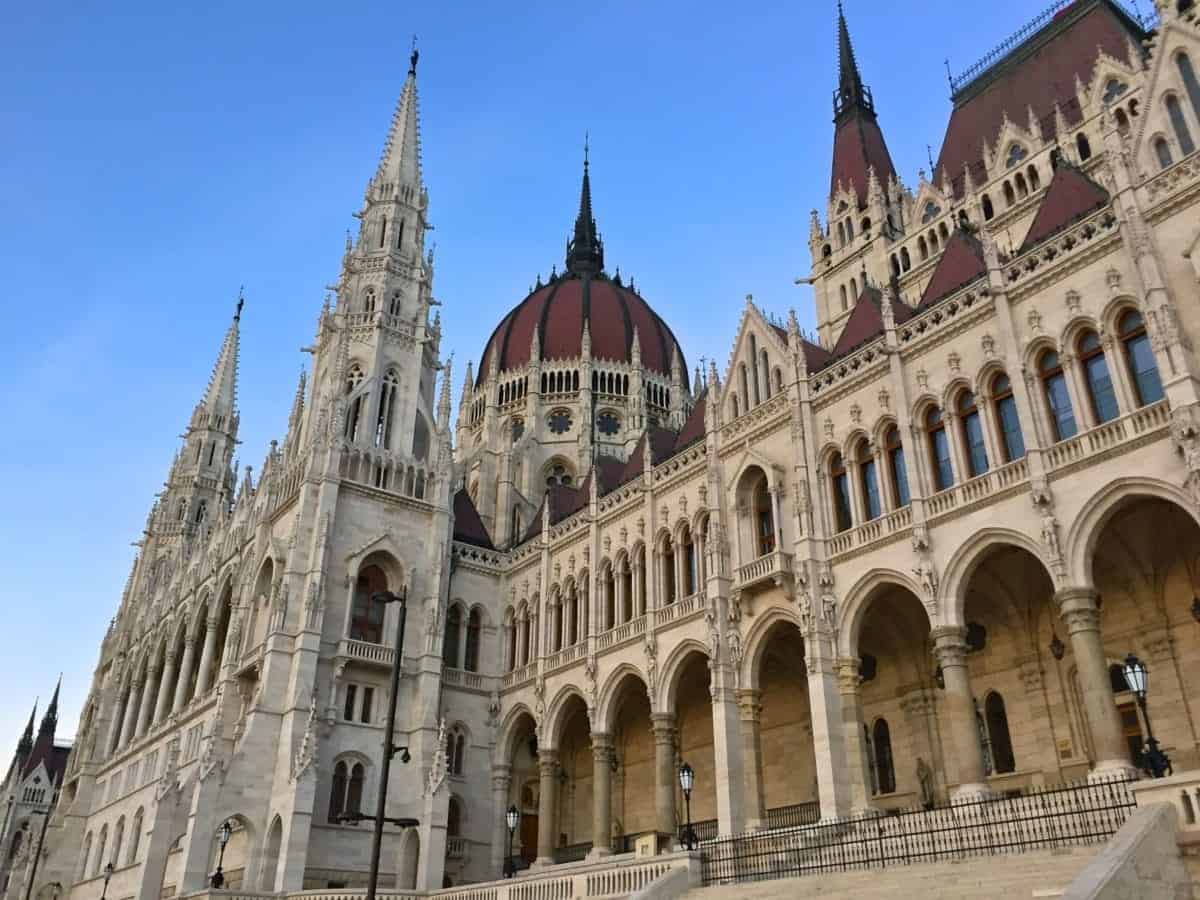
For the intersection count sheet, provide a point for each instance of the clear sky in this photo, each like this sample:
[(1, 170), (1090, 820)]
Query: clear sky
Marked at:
[(155, 157)]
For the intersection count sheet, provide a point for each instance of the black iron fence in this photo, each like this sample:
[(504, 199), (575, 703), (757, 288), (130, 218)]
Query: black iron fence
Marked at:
[(1074, 814)]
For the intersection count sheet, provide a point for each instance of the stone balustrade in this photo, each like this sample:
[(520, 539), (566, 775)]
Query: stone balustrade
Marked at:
[(774, 567), (1180, 791), (367, 652)]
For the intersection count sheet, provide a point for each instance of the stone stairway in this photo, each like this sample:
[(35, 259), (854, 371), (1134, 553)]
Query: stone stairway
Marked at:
[(1025, 876)]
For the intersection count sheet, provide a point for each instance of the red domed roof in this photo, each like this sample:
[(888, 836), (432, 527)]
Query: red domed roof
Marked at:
[(559, 310)]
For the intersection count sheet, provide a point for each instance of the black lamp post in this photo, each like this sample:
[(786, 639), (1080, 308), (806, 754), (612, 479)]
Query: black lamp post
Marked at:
[(687, 778), (512, 819), (1154, 761), (218, 877), (108, 870)]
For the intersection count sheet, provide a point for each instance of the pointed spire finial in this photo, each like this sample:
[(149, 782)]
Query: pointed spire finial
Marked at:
[(412, 60), (25, 745), (585, 250), (241, 301), (850, 91)]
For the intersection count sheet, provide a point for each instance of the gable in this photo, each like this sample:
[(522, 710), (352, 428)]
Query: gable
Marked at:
[(961, 263), (1070, 197)]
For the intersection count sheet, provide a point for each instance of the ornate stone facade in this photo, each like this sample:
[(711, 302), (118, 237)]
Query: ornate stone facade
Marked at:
[(892, 563)]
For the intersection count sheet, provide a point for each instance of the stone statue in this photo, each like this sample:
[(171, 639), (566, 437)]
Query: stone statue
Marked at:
[(925, 781)]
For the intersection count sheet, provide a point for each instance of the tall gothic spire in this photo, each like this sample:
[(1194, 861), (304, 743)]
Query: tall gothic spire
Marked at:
[(585, 251), (50, 719), (400, 162), (25, 745), (850, 84), (220, 397)]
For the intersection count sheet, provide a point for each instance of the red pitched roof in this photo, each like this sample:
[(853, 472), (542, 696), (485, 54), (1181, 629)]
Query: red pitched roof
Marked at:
[(866, 320), (694, 428), (1039, 73), (1071, 196), (858, 145), (468, 526), (961, 263)]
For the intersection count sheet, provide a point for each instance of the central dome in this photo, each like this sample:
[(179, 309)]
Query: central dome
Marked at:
[(558, 312), (614, 315)]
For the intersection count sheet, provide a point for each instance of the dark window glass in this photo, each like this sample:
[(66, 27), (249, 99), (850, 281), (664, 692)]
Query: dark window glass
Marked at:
[(474, 627), (367, 702), (998, 735), (355, 791), (450, 643), (608, 424), (351, 696), (1058, 398), (870, 481), (1099, 381), (337, 792), (1010, 424), (366, 618), (1140, 358), (972, 426), (764, 517), (841, 494), (939, 446), (1183, 134), (560, 421), (885, 771), (895, 451)]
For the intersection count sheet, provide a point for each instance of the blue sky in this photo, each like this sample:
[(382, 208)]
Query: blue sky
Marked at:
[(153, 159)]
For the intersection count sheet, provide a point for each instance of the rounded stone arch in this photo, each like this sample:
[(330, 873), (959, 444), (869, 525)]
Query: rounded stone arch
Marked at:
[(856, 435), (676, 661), (266, 575), (227, 580), (1078, 323), (882, 426), (511, 727), (1035, 348), (954, 387), (854, 604), (952, 595), (485, 618), (1115, 308), (1089, 524), (986, 374), (386, 558), (552, 722), (921, 405), (245, 839), (825, 455), (201, 612), (700, 521), (613, 686), (681, 523), (757, 639)]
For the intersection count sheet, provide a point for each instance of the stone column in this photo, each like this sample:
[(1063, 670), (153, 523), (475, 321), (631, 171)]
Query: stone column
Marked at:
[(185, 674), (852, 734), (1039, 710), (118, 718), (602, 750), (204, 682), (829, 735), (663, 726), (501, 782), (750, 710), (164, 687), (950, 649), (727, 753), (1077, 608), (131, 712), (522, 641), (547, 806), (146, 705)]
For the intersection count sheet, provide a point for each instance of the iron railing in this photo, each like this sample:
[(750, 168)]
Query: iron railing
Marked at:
[(1070, 815)]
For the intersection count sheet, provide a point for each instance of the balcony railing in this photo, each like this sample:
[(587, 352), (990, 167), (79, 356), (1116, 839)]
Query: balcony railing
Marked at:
[(519, 675), (869, 532), (621, 633), (366, 652), (456, 847), (678, 610), (771, 567), (566, 656)]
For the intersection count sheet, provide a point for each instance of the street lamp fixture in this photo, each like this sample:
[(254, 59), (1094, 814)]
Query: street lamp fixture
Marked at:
[(512, 819), (687, 780), (108, 870), (218, 877), (1154, 761)]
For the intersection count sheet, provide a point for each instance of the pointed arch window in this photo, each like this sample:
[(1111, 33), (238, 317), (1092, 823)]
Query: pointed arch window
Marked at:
[(354, 790), (922, 247), (1162, 150), (670, 588), (1188, 74), (366, 614), (842, 295), (369, 300), (201, 511), (474, 630), (939, 450), (357, 402), (1083, 147), (1099, 380), (85, 856), (905, 260), (764, 517), (885, 770), (101, 846), (456, 749), (688, 547), (971, 424), (1058, 397), (135, 837), (400, 235), (118, 840), (869, 478), (989, 211), (899, 469), (1139, 357), (1183, 134), (394, 304), (384, 424), (450, 640), (998, 735), (1012, 443), (839, 481)]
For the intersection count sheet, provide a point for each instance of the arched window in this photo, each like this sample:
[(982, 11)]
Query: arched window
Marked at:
[(1010, 196), (972, 434), (456, 750), (839, 482), (474, 629), (1058, 397), (1022, 187), (854, 295), (746, 380), (670, 592), (1083, 146), (1099, 381), (1183, 134), (766, 372), (85, 856), (944, 231), (1163, 151), (366, 615), (885, 771), (201, 511), (135, 837), (842, 294), (369, 297), (453, 818), (420, 441), (357, 404), (387, 409), (764, 517), (1140, 358), (895, 262), (758, 398), (513, 626), (354, 791), (922, 247), (849, 230), (899, 469), (1012, 443), (400, 238), (1190, 84), (1122, 121), (939, 450), (737, 410), (101, 846), (989, 211), (905, 259), (869, 477), (450, 657), (998, 737), (933, 241), (1035, 180), (688, 547)]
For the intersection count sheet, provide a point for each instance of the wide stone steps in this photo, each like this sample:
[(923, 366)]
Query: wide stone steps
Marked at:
[(1039, 874)]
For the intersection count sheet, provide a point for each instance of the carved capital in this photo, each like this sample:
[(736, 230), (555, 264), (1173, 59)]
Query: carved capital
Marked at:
[(950, 646)]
